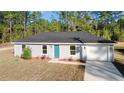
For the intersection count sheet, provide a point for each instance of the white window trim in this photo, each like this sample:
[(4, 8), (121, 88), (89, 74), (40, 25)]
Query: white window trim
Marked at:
[(43, 49), (70, 50)]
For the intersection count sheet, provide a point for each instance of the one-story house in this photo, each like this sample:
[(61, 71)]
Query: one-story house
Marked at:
[(63, 45)]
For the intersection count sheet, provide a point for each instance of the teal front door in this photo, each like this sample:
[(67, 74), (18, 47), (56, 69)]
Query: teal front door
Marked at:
[(56, 51)]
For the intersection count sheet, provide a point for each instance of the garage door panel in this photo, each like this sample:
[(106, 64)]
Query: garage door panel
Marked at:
[(97, 53)]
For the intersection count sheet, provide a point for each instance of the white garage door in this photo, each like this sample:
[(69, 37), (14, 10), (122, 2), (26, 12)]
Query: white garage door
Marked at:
[(99, 53)]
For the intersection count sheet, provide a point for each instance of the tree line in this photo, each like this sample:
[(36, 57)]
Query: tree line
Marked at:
[(16, 25)]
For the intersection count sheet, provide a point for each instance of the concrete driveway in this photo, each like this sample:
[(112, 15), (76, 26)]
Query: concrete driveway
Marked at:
[(101, 71)]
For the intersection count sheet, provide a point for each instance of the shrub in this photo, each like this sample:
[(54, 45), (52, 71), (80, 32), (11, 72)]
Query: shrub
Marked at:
[(27, 53), (121, 38), (43, 57)]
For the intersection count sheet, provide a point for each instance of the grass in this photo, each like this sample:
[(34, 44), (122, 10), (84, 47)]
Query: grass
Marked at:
[(12, 68)]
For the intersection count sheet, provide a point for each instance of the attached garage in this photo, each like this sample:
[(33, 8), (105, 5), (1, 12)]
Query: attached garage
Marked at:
[(98, 53)]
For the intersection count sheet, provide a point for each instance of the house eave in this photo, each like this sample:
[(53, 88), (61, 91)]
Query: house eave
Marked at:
[(99, 43), (62, 43)]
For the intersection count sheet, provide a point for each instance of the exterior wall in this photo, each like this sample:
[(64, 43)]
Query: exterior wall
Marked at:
[(50, 51), (38, 52), (84, 54), (65, 52), (35, 49), (18, 50), (103, 51)]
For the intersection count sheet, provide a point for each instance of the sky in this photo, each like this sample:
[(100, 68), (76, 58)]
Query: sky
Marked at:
[(49, 15)]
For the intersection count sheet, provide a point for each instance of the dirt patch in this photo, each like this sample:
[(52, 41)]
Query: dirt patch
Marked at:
[(5, 45), (119, 57), (120, 50), (119, 54), (119, 45), (12, 68)]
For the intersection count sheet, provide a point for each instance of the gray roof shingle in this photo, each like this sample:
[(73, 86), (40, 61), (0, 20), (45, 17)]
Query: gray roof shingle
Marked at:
[(65, 37)]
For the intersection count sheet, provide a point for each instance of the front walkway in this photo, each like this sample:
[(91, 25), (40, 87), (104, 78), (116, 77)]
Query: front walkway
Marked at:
[(101, 71), (67, 62)]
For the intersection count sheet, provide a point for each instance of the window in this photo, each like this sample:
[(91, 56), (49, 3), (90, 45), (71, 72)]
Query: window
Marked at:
[(23, 46), (44, 49), (72, 50)]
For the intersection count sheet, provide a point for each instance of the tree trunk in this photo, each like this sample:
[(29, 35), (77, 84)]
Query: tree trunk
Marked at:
[(24, 25), (35, 28), (10, 30), (3, 37)]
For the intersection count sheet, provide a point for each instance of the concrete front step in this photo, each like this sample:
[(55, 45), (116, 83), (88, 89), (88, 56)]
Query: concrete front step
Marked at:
[(66, 62)]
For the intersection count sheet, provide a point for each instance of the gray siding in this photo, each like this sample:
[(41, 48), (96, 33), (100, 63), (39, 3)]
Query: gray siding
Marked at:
[(36, 50), (65, 52), (82, 51), (18, 50)]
